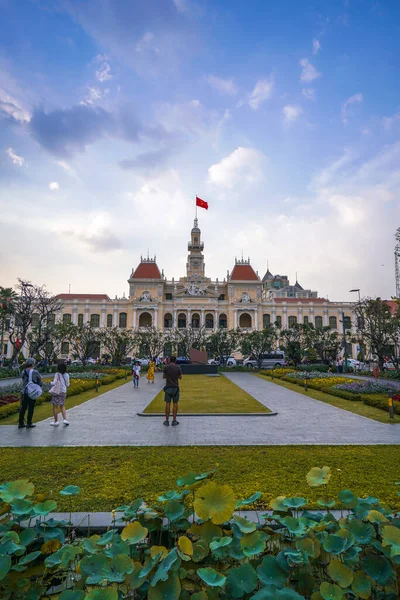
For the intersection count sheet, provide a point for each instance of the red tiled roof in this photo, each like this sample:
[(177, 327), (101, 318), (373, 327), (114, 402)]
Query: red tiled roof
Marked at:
[(83, 297), (393, 305), (244, 273), (147, 271)]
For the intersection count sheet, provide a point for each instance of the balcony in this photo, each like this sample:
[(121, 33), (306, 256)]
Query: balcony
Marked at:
[(196, 246)]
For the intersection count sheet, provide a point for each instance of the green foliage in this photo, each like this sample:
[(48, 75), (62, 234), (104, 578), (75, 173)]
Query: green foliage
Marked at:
[(210, 553)]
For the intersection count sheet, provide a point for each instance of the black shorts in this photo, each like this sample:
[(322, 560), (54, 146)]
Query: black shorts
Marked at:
[(171, 393)]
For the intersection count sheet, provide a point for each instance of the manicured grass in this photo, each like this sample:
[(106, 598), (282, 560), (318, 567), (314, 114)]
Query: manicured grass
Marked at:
[(110, 476), (202, 394), (45, 410), (355, 407)]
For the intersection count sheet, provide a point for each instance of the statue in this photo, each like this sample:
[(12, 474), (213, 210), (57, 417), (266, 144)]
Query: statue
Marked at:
[(145, 297), (245, 297)]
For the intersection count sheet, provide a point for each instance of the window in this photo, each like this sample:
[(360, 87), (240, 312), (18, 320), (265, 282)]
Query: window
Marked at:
[(209, 321), (278, 321), (196, 239), (221, 297), (35, 320), (333, 322), (347, 322), (145, 320), (266, 320), (95, 320), (318, 322), (245, 320), (109, 321), (5, 349), (360, 323), (196, 321), (8, 323), (305, 320), (122, 320), (292, 321), (168, 296), (65, 348), (66, 318), (181, 321), (167, 321), (223, 321), (80, 320), (277, 285)]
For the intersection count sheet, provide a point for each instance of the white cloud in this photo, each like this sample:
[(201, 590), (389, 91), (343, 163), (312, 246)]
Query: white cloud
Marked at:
[(389, 121), (223, 86), (243, 165), (291, 112), (309, 72), (145, 43), (13, 108), (356, 99), (308, 93), (54, 186), (316, 46), (351, 209), (17, 160), (261, 92), (104, 72), (94, 94)]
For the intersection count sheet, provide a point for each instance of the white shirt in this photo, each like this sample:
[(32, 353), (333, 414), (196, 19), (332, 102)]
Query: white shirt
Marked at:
[(64, 380)]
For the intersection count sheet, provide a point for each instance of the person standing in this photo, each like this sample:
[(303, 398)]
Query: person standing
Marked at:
[(172, 373), (29, 376), (60, 384), (150, 372), (375, 369), (136, 374)]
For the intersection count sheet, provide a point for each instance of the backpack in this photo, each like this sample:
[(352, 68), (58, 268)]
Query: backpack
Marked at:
[(32, 389)]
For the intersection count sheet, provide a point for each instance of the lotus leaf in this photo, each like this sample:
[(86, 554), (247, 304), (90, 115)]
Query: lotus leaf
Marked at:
[(295, 502), (211, 577), (134, 579), (294, 525), (351, 556), (241, 580), (156, 551), (134, 533), (330, 591), (164, 567), (107, 537), (214, 502), (270, 593), (27, 536), (316, 476), (90, 544), (235, 550), (363, 532), (149, 563), (310, 546), (361, 585), (50, 546), (348, 499), (28, 558), (72, 595), (270, 573), (20, 507), (253, 543), (121, 565), (391, 537), (220, 543), (340, 573), (334, 544), (377, 567), (54, 534), (95, 567), (174, 510), (103, 594), (326, 502), (207, 531), (173, 495), (375, 516), (192, 478), (200, 550), (5, 565), (44, 508), (295, 558), (278, 504), (244, 525), (70, 490), (16, 489), (54, 523), (199, 596), (185, 547), (166, 590), (250, 500)]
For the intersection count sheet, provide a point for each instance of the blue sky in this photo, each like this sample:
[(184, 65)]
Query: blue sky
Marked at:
[(284, 116)]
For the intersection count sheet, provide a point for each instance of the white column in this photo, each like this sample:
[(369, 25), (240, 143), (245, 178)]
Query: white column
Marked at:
[(58, 316), (273, 315), (134, 317), (284, 316), (300, 314), (326, 322), (75, 314), (202, 317), (8, 349), (311, 317), (256, 319), (156, 317), (115, 322), (189, 318), (103, 316), (216, 319), (86, 312), (235, 316)]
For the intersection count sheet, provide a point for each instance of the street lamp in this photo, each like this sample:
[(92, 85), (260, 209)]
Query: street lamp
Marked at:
[(356, 290)]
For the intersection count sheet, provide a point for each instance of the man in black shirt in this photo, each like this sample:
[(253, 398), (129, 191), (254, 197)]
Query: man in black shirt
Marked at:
[(172, 373)]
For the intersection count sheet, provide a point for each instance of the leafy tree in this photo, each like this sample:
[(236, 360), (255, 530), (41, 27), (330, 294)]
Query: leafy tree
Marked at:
[(378, 327), (119, 342), (151, 341), (83, 340), (325, 342), (190, 337), (224, 341), (257, 343), (44, 333), (8, 297), (291, 340)]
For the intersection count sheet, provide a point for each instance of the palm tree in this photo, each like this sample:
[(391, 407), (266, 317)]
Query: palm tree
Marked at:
[(8, 297)]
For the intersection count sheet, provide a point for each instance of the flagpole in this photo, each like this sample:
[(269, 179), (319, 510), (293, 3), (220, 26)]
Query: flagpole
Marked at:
[(195, 203)]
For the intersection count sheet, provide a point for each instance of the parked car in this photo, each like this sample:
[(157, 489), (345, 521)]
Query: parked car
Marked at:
[(228, 361), (268, 361), (354, 364), (183, 360), (143, 362), (388, 365), (78, 363)]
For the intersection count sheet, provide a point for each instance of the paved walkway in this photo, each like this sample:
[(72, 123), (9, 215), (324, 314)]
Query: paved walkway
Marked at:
[(111, 420)]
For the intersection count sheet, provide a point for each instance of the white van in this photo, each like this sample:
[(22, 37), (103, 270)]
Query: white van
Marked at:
[(269, 360)]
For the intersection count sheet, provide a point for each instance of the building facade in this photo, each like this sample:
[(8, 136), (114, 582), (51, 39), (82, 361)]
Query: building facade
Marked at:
[(241, 299)]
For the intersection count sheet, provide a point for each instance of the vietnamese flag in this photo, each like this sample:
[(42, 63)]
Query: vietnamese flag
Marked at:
[(201, 203)]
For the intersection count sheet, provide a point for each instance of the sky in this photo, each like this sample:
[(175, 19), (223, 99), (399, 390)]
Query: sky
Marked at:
[(284, 116)]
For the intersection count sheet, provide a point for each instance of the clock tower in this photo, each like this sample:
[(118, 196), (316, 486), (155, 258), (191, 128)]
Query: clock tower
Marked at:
[(195, 263)]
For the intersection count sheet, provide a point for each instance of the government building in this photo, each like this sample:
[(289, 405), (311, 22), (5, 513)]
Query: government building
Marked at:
[(241, 299)]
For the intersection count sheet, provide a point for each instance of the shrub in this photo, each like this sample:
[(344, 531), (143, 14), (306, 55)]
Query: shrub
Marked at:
[(380, 402), (367, 387), (192, 544), (319, 368), (6, 372)]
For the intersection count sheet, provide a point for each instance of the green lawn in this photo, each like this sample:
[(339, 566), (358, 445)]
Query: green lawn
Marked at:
[(355, 407), (45, 410), (202, 394), (110, 476)]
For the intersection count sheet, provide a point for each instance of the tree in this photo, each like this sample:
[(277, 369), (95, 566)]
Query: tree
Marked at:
[(324, 342), (44, 333), (8, 297), (84, 340), (378, 327), (190, 337), (292, 342), (119, 342), (257, 343), (224, 341), (151, 341)]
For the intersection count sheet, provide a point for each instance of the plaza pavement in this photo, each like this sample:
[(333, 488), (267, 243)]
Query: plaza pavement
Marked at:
[(112, 420)]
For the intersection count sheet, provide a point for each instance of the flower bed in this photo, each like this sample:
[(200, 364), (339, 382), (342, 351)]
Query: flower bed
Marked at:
[(367, 387), (6, 372)]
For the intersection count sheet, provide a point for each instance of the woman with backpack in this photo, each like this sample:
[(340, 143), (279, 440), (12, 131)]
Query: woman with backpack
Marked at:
[(58, 393)]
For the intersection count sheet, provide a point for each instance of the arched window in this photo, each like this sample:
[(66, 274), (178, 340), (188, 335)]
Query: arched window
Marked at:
[(181, 321), (51, 319), (245, 320), (278, 321), (266, 320), (145, 320), (95, 320), (305, 320), (122, 320), (66, 318), (196, 239), (223, 321), (195, 320), (318, 322), (109, 320), (167, 321), (292, 321), (209, 321), (80, 320), (333, 322)]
